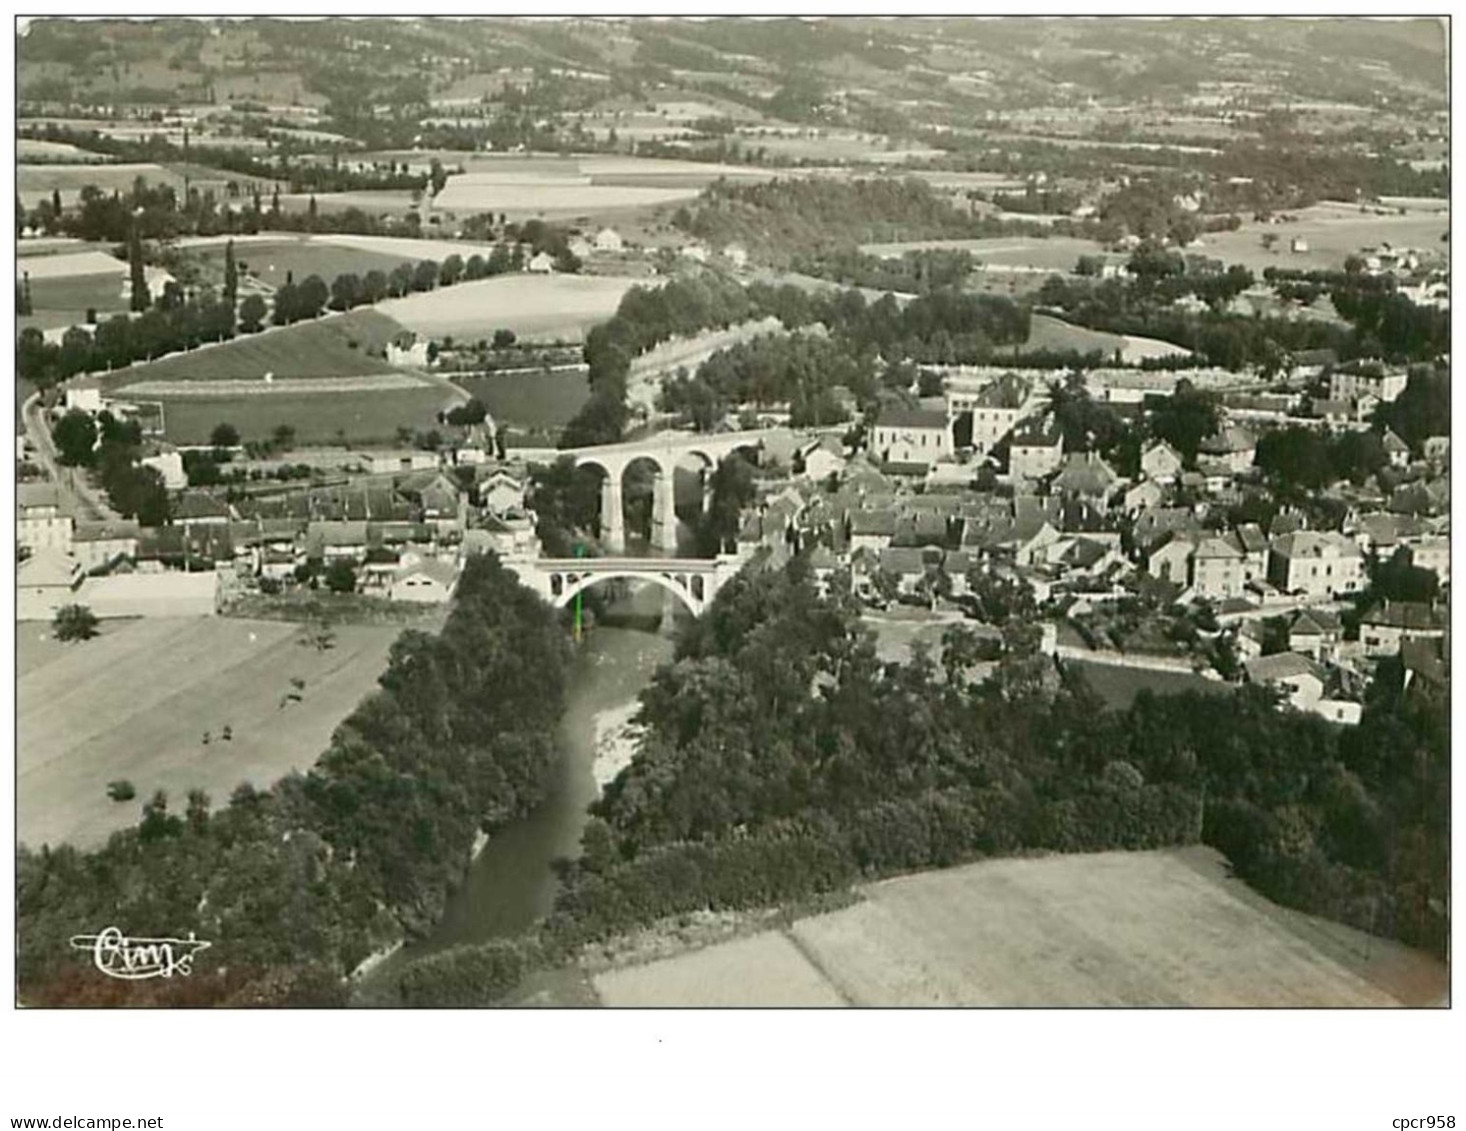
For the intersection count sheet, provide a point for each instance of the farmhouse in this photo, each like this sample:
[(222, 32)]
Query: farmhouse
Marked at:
[(41, 522), (608, 239), (541, 264)]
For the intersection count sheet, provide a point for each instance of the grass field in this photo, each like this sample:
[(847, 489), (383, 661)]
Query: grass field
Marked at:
[(1168, 928), (1048, 333), (271, 262), (530, 400), (1119, 686), (1332, 231), (535, 307), (310, 349), (364, 418), (135, 702)]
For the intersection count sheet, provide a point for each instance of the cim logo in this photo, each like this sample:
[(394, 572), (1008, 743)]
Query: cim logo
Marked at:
[(118, 956)]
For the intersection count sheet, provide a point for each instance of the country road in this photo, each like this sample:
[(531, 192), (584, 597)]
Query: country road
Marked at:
[(88, 503)]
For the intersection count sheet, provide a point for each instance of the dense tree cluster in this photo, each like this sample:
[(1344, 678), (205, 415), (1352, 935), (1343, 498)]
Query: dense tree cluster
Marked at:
[(322, 868), (783, 759), (1384, 323), (785, 217), (1298, 460), (916, 272)]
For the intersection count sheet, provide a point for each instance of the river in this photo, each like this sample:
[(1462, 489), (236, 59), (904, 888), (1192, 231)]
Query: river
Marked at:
[(512, 885)]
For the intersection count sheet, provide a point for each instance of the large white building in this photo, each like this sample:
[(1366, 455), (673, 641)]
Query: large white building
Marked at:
[(1370, 378), (911, 436), (1316, 563), (41, 522)]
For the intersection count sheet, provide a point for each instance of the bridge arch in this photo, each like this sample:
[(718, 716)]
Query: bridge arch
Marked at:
[(678, 583)]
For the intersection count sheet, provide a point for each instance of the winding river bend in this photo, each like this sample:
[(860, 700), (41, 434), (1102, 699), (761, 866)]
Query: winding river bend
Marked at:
[(512, 885)]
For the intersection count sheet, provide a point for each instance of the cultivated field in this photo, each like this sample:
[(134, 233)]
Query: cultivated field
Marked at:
[(472, 192), (1167, 928), (535, 307), (134, 704), (321, 348), (720, 976), (319, 418)]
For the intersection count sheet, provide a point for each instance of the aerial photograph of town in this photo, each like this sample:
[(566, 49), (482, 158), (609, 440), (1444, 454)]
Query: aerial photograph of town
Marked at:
[(629, 512)]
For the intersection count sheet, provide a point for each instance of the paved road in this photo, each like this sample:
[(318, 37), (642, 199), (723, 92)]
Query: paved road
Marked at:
[(87, 503)]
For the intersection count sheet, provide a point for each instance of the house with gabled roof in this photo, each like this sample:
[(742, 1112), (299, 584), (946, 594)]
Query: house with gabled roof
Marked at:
[(199, 508), (1085, 475), (1160, 462), (1233, 448), (1035, 450), (1396, 450), (872, 529), (427, 581), (1217, 568), (1385, 627), (42, 520), (1314, 632), (1254, 551)]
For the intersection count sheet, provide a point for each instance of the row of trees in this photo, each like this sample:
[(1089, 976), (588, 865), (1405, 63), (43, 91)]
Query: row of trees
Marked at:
[(297, 884), (109, 448)]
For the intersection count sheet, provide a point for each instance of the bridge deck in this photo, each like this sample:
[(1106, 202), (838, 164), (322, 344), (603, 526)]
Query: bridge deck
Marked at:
[(621, 565)]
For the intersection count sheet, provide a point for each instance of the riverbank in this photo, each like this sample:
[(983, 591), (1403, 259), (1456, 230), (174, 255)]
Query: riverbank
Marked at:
[(616, 739)]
